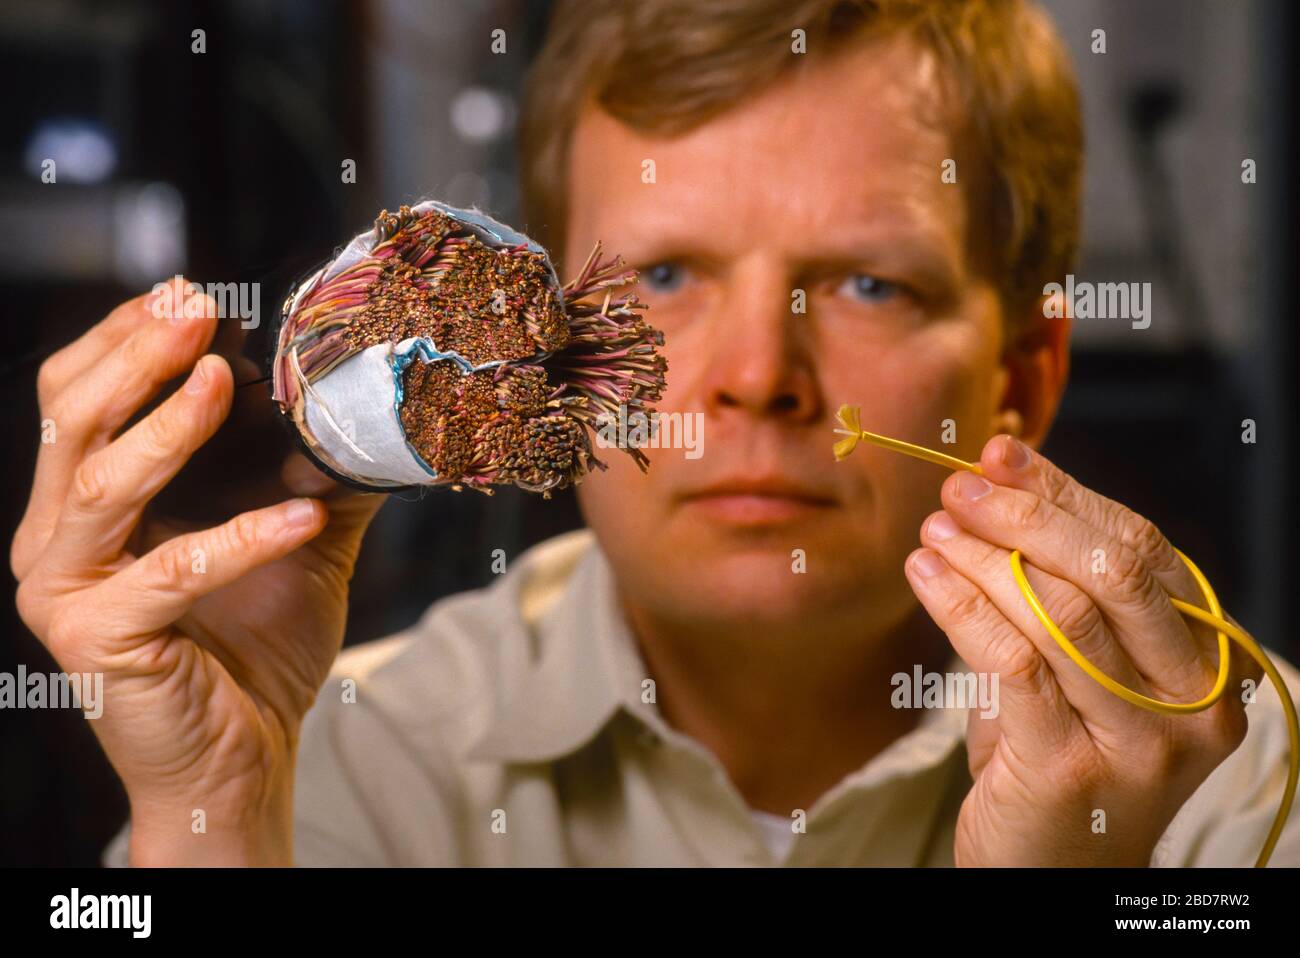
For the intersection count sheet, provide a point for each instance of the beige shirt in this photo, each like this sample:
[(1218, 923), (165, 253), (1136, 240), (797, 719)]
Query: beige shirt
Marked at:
[(508, 727)]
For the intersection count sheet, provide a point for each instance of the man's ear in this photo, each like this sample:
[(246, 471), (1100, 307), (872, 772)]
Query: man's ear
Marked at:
[(1036, 363)]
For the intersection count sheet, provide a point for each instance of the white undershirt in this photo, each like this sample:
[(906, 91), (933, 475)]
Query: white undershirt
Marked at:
[(777, 833)]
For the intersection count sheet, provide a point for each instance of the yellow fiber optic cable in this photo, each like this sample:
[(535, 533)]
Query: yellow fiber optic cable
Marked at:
[(849, 418)]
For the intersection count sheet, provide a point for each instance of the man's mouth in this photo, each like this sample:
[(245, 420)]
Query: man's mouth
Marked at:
[(755, 502)]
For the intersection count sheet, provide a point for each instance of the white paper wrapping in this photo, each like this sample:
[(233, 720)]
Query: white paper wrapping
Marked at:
[(352, 412)]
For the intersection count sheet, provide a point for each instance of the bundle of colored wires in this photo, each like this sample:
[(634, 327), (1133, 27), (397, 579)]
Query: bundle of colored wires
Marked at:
[(439, 348), (850, 420)]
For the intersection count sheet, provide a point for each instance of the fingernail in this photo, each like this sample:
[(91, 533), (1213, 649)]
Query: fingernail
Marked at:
[(301, 512), (198, 377), (1015, 454), (190, 304), (972, 487), (941, 527), (928, 564), (177, 314)]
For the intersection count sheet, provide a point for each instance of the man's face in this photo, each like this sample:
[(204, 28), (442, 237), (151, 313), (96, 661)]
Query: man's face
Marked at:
[(829, 183)]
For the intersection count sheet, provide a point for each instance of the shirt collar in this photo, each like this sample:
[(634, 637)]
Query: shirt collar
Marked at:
[(582, 666), (582, 662)]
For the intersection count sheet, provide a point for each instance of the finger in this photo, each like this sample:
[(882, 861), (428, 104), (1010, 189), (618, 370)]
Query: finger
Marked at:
[(303, 479), (1133, 601), (1009, 462), (1028, 694), (51, 379), (111, 486), (74, 359), (92, 407), (987, 566), (159, 588), (97, 403)]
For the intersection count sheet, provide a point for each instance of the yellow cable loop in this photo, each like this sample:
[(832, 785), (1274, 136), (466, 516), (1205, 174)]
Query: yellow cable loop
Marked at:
[(849, 418)]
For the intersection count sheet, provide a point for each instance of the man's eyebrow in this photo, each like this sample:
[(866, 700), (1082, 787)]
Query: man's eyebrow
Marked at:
[(850, 230), (829, 244), (894, 246), (887, 242)]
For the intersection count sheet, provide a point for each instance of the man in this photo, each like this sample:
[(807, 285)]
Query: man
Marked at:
[(705, 676)]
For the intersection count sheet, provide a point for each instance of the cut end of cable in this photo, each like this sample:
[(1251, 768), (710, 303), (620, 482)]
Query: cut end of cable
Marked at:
[(440, 349), (849, 419)]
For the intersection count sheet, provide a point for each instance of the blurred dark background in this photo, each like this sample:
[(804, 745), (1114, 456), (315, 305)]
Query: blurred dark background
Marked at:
[(225, 166)]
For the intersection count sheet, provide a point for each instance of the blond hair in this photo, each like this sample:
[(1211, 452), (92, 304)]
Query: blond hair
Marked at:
[(666, 66)]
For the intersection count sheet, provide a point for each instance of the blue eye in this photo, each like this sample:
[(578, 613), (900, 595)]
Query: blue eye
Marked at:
[(663, 277), (867, 288)]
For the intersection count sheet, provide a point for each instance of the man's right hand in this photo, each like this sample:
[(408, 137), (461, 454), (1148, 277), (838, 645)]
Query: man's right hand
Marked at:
[(214, 642)]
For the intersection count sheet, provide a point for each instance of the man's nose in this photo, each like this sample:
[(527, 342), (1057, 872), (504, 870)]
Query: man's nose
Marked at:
[(759, 358)]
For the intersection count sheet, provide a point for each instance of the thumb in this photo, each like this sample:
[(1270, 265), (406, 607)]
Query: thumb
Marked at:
[(349, 512), (350, 515)]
